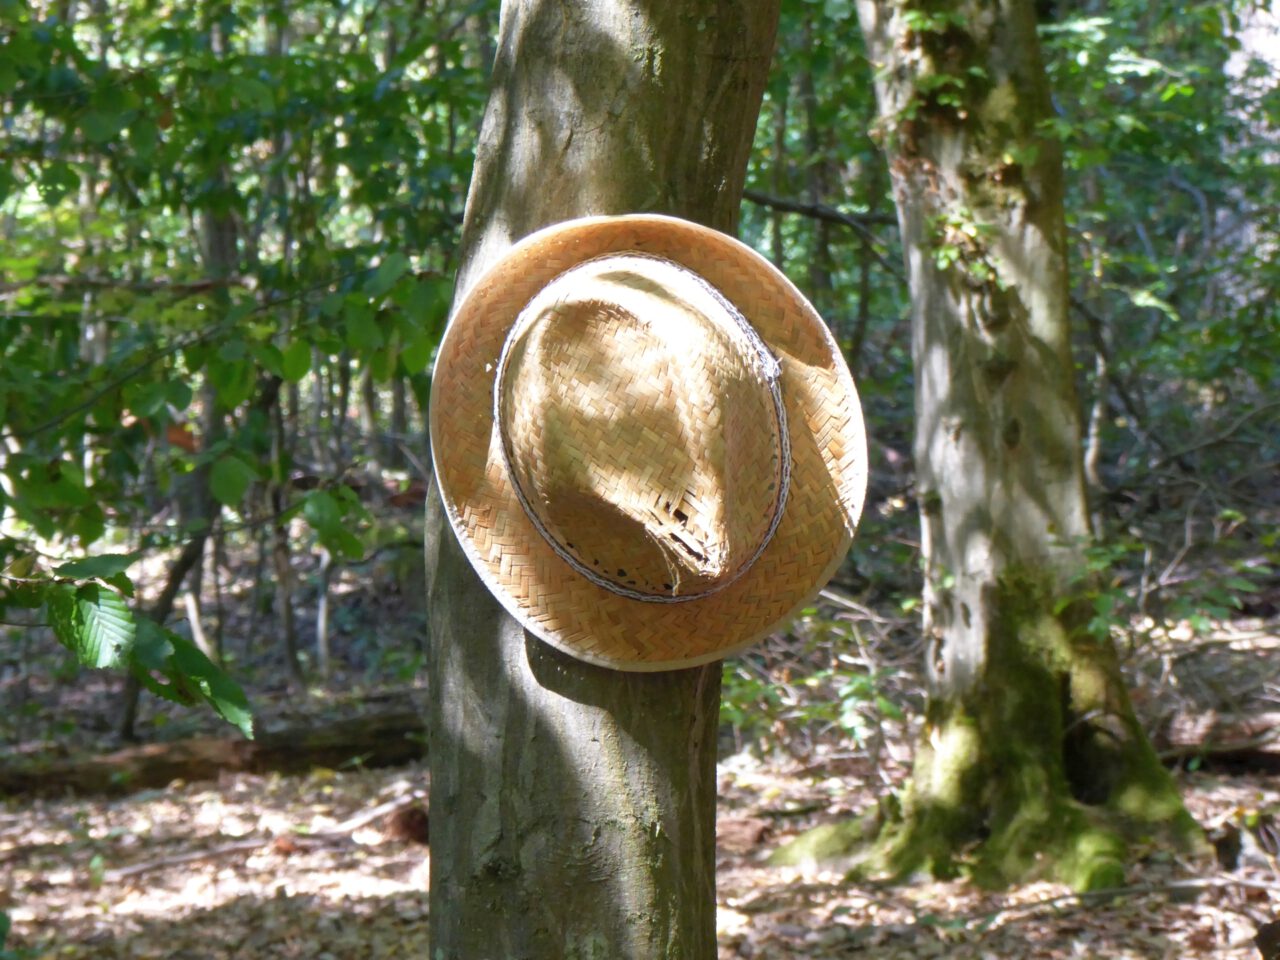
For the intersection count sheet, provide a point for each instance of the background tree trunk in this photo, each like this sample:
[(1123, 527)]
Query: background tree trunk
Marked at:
[(572, 808), (1030, 743)]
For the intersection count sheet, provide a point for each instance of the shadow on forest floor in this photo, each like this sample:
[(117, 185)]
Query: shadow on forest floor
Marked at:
[(238, 868), (364, 895)]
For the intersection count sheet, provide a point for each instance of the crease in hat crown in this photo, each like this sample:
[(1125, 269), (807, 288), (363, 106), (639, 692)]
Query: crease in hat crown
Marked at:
[(643, 429), (491, 496)]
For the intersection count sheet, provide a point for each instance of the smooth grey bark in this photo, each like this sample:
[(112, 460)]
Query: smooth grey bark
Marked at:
[(572, 807), (1028, 720), (980, 206)]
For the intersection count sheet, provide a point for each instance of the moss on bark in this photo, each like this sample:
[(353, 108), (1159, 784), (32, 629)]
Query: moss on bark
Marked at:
[(1039, 771)]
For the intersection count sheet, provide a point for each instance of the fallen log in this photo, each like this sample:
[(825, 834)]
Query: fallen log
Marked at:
[(1244, 740), (373, 740)]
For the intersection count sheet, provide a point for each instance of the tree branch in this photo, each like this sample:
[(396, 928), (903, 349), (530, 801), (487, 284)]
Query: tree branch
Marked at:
[(861, 225), (68, 282)]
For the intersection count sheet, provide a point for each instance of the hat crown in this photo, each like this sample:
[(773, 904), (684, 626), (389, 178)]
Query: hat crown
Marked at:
[(642, 427)]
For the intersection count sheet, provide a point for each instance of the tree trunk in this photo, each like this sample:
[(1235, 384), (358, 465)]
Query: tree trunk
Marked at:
[(398, 428), (281, 549), (818, 174), (1030, 744), (573, 807)]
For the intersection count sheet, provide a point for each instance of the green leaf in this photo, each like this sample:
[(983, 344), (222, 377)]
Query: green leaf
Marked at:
[(331, 306), (269, 358), (93, 622), (191, 676), (216, 688), (229, 480), (121, 582), (232, 380), (152, 649), (97, 871), (389, 271), (837, 9), (347, 544), (179, 394), (361, 325), (295, 360), (143, 136), (328, 518), (416, 353), (383, 362), (102, 566), (321, 510), (1241, 584), (99, 126), (146, 400), (57, 180), (253, 93), (351, 505), (29, 596), (8, 183), (426, 303), (890, 709)]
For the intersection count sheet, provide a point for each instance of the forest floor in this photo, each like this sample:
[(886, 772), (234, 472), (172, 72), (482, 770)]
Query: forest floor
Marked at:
[(332, 864), (272, 867)]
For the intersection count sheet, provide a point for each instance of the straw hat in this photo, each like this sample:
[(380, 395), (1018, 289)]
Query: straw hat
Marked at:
[(646, 441)]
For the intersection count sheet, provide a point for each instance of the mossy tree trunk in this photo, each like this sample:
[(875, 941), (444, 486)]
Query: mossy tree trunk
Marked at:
[(572, 807), (1030, 746)]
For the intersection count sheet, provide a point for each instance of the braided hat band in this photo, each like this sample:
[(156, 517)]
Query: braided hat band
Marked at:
[(646, 441)]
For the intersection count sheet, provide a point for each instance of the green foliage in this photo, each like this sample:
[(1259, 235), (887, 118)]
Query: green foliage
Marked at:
[(86, 603), (209, 210), (1168, 129), (6, 923), (201, 212), (230, 478), (188, 675), (750, 702), (1126, 597), (92, 621), (763, 697)]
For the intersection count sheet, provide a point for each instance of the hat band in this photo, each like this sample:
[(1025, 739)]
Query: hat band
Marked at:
[(771, 371)]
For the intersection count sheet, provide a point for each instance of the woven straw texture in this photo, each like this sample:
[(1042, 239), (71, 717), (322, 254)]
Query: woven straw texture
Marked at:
[(640, 427), (650, 453)]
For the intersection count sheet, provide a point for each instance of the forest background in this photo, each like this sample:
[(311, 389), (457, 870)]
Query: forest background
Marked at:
[(229, 237)]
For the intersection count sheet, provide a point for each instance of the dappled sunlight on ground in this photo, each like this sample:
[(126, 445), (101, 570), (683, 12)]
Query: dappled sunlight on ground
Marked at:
[(300, 867), (252, 868), (168, 873)]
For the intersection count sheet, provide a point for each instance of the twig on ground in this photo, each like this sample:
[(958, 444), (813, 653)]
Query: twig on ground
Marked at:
[(1018, 910), (1218, 749), (339, 831)]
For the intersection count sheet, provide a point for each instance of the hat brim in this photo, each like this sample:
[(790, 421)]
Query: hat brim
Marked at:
[(541, 590)]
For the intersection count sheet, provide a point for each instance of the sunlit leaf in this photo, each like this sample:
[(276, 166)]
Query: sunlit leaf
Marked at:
[(388, 272), (92, 621)]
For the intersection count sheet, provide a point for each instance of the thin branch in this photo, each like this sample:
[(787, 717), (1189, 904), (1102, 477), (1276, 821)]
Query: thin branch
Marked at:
[(1082, 899), (820, 211), (178, 345), (1094, 325), (863, 612), (337, 832), (1223, 435), (69, 282), (1264, 739)]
